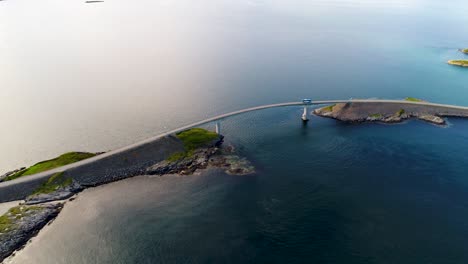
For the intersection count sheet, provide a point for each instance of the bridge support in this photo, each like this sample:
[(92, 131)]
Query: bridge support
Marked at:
[(304, 115), (218, 128)]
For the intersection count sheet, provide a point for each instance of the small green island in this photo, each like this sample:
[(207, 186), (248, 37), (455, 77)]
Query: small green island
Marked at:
[(461, 63), (464, 51)]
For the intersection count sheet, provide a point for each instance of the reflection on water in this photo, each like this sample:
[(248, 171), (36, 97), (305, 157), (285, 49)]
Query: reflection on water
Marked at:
[(77, 76)]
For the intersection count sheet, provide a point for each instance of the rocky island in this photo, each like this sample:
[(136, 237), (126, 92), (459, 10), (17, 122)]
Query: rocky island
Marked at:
[(193, 149), (358, 112)]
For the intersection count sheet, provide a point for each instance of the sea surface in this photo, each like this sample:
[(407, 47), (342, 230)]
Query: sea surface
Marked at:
[(327, 192), (95, 77)]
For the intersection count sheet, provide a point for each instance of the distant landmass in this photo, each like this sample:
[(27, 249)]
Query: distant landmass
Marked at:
[(460, 63)]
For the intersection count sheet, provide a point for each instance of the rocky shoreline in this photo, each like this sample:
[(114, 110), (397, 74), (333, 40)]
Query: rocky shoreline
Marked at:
[(4, 176), (203, 158), (60, 194), (22, 223), (357, 112)]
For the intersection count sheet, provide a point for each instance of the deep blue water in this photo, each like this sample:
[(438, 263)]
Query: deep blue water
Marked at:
[(327, 192)]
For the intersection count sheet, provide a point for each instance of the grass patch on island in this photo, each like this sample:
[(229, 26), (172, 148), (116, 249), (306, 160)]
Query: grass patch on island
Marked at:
[(196, 137), (7, 221), (376, 115), (62, 160), (328, 108), (412, 99), (178, 156), (55, 182), (192, 139)]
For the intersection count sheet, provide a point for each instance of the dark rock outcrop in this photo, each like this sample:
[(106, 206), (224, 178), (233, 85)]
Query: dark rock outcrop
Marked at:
[(185, 166), (203, 158)]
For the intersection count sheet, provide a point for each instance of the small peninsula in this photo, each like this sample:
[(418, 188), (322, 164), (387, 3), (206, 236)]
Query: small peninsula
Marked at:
[(193, 149), (359, 112)]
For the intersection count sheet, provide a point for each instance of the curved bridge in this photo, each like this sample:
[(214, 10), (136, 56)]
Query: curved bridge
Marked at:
[(43, 175)]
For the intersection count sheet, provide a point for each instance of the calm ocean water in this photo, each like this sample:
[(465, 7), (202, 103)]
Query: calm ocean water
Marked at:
[(325, 193), (96, 77)]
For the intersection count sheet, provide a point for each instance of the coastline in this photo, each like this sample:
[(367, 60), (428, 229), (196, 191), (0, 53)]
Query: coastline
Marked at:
[(196, 149), (45, 204), (89, 205)]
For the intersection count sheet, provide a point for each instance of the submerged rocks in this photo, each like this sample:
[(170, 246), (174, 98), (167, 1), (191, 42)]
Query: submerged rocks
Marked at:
[(232, 164), (432, 119), (198, 159), (21, 223)]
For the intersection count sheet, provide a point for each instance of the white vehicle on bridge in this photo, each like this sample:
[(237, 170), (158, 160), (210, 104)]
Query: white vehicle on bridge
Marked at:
[(307, 101)]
